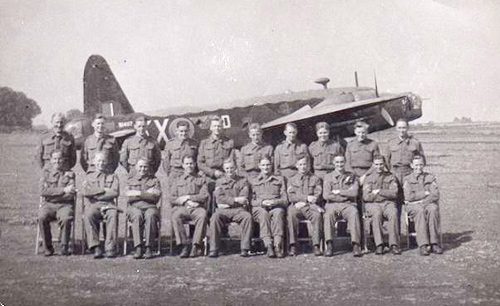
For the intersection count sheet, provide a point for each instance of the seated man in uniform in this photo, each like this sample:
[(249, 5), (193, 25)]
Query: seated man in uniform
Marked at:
[(143, 192), (340, 190), (189, 195), (422, 198), (58, 192), (304, 194), (269, 202), (101, 188), (252, 152), (380, 191), (324, 150), (231, 197)]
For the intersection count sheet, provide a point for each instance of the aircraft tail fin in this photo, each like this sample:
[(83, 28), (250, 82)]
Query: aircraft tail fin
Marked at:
[(101, 91)]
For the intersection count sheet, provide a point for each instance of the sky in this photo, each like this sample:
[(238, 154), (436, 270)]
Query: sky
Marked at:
[(196, 53)]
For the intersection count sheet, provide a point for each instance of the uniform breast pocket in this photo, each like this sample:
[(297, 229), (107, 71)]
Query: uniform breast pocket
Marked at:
[(287, 159), (48, 147), (134, 151), (176, 153), (275, 188), (318, 158), (209, 153), (226, 148), (410, 152)]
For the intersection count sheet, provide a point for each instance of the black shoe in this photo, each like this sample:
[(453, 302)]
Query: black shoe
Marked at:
[(379, 250), (424, 251), (436, 248), (138, 252), (317, 250), (279, 252), (110, 254), (270, 252), (395, 250), (97, 252), (185, 251), (195, 251), (49, 251), (149, 253), (64, 250), (356, 250), (293, 250), (213, 254), (244, 253)]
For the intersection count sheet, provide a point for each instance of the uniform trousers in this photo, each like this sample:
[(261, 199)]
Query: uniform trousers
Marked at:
[(376, 213), (426, 218), (93, 216), (224, 216), (144, 218), (181, 215), (271, 224), (309, 212), (63, 213), (349, 212)]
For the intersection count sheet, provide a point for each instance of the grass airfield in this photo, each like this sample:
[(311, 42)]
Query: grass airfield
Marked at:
[(464, 157)]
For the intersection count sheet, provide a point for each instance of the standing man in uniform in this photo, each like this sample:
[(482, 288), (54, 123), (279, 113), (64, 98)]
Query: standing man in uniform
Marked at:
[(380, 191), (58, 193), (57, 139), (340, 190), (422, 198), (304, 194), (231, 197), (253, 151), (361, 151), (140, 145), (101, 188), (214, 150), (143, 193), (189, 196), (99, 142), (324, 150), (269, 202), (401, 151), (176, 148), (285, 155)]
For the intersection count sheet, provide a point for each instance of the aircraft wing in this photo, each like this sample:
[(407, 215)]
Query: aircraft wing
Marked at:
[(122, 133), (322, 109)]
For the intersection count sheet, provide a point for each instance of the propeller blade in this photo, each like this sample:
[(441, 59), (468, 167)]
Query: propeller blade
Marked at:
[(385, 114), (376, 87)]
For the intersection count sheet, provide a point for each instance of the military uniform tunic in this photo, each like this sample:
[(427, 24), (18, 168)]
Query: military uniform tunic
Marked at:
[(50, 142), (212, 153), (136, 147), (285, 157), (250, 158), (100, 190), (423, 208), (300, 186), (142, 209), (382, 205), (226, 190), (359, 155), (400, 155), (92, 145), (56, 205), (271, 219), (174, 151), (195, 186), (322, 154), (343, 203)]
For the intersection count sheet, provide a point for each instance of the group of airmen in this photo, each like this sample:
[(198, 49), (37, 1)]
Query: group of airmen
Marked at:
[(212, 184)]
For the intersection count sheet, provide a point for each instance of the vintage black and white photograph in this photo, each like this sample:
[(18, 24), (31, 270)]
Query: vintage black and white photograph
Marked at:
[(249, 152)]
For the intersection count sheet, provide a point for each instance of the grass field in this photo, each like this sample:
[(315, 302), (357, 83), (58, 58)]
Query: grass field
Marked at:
[(465, 159)]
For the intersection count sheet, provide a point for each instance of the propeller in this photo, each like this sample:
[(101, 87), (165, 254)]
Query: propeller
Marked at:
[(385, 114)]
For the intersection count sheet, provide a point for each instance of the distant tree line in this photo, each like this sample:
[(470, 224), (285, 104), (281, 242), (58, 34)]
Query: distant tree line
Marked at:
[(16, 110)]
